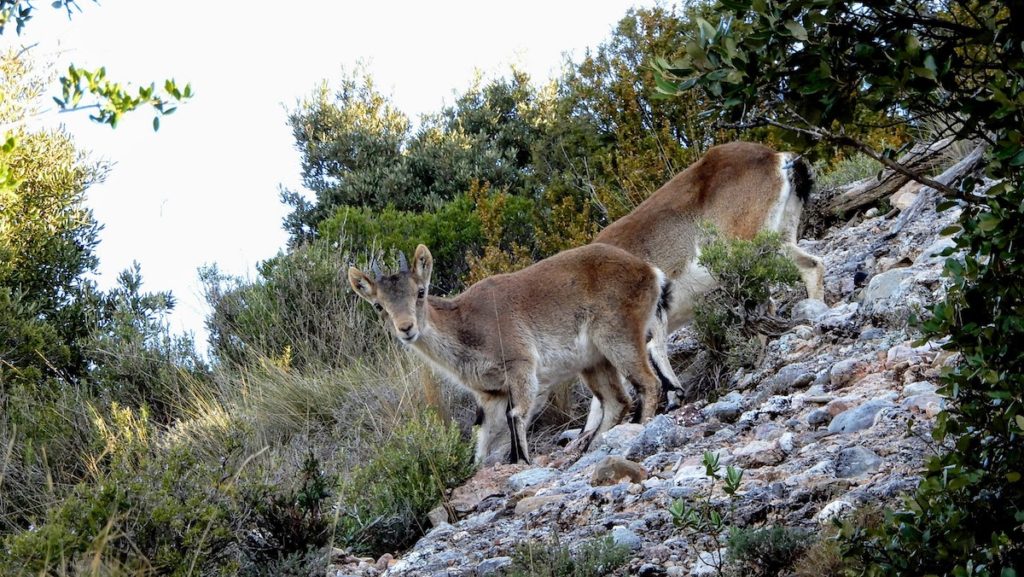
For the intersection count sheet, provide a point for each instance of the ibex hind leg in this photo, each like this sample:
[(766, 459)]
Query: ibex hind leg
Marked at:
[(611, 403), (812, 270), (657, 353), (491, 420), (630, 360), (522, 388)]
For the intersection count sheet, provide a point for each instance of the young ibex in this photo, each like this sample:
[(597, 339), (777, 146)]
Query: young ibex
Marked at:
[(511, 337), (740, 188)]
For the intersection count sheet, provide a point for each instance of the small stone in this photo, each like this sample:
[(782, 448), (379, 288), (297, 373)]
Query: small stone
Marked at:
[(844, 372), (626, 537), (919, 388), (871, 212), (818, 417), (650, 570), (614, 469), (709, 563), (725, 410), (786, 442), (933, 254), (884, 285), (834, 510), (856, 461), (759, 453), (659, 435), (836, 406), (530, 504), (929, 404), (871, 334), (618, 439), (809, 309), (858, 418), (438, 516), (385, 561), (790, 377), (903, 201), (493, 565), (530, 477), (767, 431)]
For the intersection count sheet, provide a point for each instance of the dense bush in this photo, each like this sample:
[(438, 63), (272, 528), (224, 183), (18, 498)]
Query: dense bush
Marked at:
[(453, 230), (165, 514), (383, 505), (729, 318), (765, 552), (300, 312), (593, 558)]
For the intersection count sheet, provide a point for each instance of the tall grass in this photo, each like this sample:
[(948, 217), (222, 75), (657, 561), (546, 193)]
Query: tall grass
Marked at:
[(307, 386)]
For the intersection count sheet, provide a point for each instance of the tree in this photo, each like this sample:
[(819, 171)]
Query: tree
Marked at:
[(47, 235), (112, 99), (351, 144), (809, 67)]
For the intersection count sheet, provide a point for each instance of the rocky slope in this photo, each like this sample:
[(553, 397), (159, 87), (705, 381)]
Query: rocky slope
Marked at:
[(837, 416)]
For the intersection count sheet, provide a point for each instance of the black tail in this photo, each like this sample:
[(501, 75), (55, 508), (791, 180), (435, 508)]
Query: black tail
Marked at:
[(665, 301), (800, 177)]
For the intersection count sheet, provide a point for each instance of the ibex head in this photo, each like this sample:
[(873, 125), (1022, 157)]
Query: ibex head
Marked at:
[(401, 296)]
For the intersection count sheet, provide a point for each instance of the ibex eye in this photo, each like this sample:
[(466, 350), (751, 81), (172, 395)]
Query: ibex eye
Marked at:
[(420, 294)]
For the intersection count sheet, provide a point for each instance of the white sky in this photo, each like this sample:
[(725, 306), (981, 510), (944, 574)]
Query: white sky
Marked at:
[(204, 189)]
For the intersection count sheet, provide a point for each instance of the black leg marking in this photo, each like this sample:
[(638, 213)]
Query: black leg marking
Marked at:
[(667, 387), (517, 452)]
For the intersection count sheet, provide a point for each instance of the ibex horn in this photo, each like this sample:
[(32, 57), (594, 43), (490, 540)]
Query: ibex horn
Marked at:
[(375, 269), (403, 265)]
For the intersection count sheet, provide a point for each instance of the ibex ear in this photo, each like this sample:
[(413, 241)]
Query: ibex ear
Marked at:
[(423, 264), (362, 284)]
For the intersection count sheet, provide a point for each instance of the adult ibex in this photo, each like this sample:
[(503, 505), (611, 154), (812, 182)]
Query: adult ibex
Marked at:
[(740, 188), (509, 338)]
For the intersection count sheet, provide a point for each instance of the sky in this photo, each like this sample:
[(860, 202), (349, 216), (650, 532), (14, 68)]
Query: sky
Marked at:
[(205, 188)]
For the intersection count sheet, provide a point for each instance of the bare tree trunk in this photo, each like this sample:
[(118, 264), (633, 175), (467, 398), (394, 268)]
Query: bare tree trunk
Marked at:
[(922, 158)]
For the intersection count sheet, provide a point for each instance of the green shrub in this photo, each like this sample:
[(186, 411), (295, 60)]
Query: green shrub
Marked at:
[(450, 231), (594, 558), (765, 552), (168, 517), (847, 170), (289, 528), (384, 503), (729, 318), (300, 314)]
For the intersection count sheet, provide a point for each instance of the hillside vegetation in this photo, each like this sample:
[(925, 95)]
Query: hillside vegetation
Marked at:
[(305, 442)]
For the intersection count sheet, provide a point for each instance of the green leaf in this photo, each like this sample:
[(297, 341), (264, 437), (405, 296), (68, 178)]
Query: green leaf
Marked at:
[(1019, 419), (707, 31), (987, 222), (796, 29)]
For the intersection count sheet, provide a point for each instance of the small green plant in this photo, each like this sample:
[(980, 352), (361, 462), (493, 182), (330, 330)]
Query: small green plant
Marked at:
[(845, 171), (767, 551), (290, 528), (703, 517), (383, 506), (729, 319), (594, 558)]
